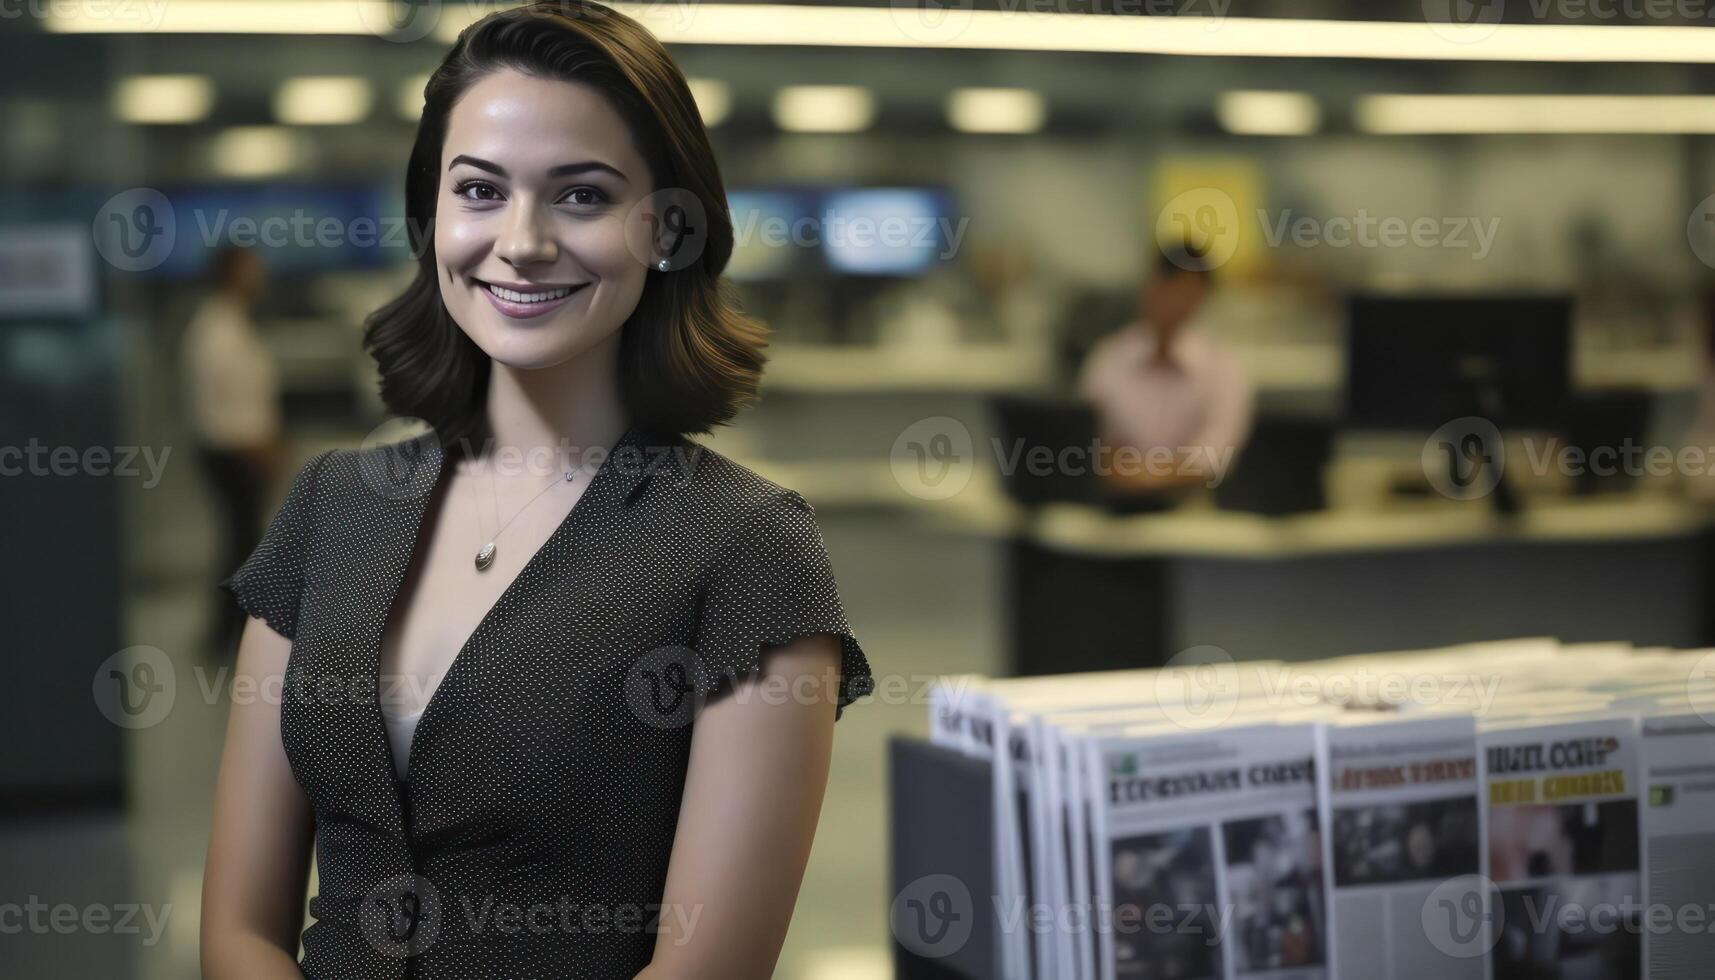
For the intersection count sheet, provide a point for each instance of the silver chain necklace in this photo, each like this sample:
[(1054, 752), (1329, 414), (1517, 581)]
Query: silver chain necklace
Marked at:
[(485, 555)]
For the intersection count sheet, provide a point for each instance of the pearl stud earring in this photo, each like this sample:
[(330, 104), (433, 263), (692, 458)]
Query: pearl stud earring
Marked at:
[(663, 265)]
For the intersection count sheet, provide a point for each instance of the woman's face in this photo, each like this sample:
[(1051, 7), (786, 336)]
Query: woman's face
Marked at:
[(538, 180)]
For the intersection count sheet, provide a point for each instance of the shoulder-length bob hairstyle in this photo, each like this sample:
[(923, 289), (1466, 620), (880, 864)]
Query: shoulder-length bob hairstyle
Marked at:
[(688, 358)]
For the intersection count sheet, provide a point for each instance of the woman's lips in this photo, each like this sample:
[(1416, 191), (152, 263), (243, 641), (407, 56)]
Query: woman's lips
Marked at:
[(527, 304)]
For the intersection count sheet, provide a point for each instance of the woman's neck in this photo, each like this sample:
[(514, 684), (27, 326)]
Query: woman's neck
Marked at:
[(567, 413)]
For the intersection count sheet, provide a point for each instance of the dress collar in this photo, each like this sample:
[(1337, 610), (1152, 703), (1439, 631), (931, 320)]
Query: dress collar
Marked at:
[(410, 469)]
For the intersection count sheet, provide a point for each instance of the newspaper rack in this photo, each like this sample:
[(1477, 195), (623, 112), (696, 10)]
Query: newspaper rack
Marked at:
[(942, 918)]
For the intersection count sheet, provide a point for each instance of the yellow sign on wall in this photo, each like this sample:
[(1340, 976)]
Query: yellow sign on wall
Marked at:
[(1210, 204)]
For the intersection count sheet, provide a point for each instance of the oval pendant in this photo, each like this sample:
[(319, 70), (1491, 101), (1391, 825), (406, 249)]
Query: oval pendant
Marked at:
[(485, 557)]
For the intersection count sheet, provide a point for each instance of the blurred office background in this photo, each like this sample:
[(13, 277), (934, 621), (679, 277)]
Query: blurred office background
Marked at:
[(1038, 153)]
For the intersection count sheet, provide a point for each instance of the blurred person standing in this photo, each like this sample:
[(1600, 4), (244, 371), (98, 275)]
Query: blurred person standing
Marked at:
[(1173, 406), (1700, 483), (234, 408)]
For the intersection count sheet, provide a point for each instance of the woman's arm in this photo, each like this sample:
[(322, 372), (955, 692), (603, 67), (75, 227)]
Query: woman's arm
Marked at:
[(259, 851), (758, 769)]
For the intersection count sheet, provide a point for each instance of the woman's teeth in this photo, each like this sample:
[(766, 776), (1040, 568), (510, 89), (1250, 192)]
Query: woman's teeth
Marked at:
[(514, 296)]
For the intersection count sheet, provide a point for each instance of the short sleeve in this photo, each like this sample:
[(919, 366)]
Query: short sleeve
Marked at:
[(270, 582), (772, 583)]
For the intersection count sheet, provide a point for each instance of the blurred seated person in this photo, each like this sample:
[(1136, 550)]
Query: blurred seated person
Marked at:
[(1172, 405)]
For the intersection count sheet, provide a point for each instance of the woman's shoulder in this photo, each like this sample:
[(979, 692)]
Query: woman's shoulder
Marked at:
[(377, 471), (693, 475)]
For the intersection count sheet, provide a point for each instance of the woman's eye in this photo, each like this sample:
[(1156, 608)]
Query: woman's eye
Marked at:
[(584, 196), (476, 190)]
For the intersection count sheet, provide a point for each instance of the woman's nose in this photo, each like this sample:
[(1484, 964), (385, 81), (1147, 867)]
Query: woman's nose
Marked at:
[(527, 238)]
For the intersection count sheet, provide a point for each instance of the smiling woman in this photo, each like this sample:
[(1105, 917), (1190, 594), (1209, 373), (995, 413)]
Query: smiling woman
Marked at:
[(540, 166), (537, 239), (571, 726)]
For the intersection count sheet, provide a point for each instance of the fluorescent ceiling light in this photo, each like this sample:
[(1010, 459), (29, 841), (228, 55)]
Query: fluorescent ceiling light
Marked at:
[(256, 151), (1268, 113), (899, 26), (410, 104), (824, 108), (714, 99), (220, 17), (163, 98), (996, 110), (1427, 114), (320, 100)]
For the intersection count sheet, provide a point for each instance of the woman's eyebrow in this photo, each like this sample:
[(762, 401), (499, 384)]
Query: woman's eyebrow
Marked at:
[(479, 163), (563, 170), (587, 166)]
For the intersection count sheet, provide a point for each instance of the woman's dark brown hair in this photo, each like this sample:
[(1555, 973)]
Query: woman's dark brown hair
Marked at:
[(688, 358)]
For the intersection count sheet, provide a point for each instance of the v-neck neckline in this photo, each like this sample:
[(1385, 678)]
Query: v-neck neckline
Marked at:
[(412, 542)]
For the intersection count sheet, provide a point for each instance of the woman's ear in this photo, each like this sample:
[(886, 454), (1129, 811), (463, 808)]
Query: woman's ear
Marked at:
[(675, 227)]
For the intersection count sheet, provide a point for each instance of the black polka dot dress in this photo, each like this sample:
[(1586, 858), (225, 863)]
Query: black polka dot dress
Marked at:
[(532, 835)]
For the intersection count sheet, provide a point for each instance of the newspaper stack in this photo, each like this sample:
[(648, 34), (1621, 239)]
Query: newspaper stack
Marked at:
[(1521, 809)]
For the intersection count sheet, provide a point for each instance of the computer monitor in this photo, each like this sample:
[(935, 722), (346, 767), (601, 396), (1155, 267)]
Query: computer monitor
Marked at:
[(1418, 362), (886, 231), (1025, 423), (772, 229), (297, 228)]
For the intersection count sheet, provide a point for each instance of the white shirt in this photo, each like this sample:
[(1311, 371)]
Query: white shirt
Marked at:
[(234, 386), (1198, 398), (400, 728)]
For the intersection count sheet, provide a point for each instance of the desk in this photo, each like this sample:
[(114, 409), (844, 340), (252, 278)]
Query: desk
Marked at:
[(1087, 590), (1090, 591)]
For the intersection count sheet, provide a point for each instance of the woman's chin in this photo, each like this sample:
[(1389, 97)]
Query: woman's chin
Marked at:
[(532, 348)]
